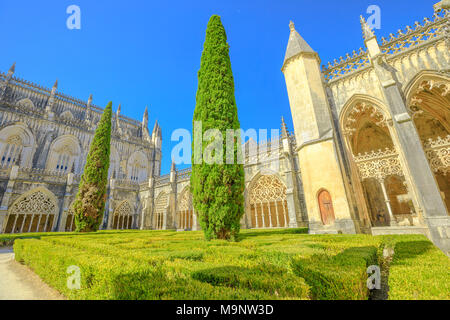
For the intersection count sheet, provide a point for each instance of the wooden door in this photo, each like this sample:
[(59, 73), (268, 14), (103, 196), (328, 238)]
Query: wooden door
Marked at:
[(326, 207)]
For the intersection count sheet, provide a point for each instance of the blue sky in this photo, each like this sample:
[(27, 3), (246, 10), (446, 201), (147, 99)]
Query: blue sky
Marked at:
[(142, 53)]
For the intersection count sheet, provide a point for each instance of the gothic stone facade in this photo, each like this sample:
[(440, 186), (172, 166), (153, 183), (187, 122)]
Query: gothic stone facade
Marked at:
[(44, 141), (373, 132), (370, 151)]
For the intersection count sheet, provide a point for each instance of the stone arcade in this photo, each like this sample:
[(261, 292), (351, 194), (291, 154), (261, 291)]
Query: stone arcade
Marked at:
[(370, 151)]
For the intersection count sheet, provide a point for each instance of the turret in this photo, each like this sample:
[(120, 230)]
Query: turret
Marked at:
[(319, 158)]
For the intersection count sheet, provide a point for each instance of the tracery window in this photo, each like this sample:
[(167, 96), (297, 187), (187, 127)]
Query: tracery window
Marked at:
[(12, 151), (33, 212), (123, 216), (268, 205), (185, 212), (161, 204)]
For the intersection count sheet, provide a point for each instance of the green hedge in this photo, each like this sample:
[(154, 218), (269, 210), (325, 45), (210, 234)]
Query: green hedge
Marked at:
[(339, 277), (418, 271), (265, 264)]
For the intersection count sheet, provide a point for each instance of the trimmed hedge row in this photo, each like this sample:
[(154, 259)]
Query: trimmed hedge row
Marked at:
[(266, 264), (339, 277), (418, 271)]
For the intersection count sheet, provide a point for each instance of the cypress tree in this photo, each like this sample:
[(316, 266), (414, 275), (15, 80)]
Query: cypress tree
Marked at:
[(89, 203), (217, 189)]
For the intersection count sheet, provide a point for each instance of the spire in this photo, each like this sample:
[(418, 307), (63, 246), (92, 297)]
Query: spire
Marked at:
[(12, 69), (145, 117), (88, 109), (296, 44), (56, 84), (118, 109), (155, 128), (366, 29), (284, 130)]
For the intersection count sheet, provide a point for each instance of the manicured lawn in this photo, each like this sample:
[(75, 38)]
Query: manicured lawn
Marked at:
[(275, 264)]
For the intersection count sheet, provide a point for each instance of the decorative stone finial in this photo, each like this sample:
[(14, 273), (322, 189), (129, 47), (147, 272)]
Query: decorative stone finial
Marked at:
[(56, 84), (13, 68), (118, 109), (291, 26), (366, 29), (173, 168)]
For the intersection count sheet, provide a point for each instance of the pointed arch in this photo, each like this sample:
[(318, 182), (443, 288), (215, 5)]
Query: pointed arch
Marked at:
[(26, 103), (66, 115), (428, 100), (123, 216), (17, 145), (185, 210), (65, 154), (34, 211), (160, 211), (137, 167), (268, 201)]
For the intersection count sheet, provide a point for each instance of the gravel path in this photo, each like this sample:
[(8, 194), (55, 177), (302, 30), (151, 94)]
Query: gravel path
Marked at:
[(18, 282)]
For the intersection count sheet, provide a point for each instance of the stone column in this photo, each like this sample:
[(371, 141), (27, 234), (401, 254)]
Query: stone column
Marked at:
[(388, 203), (6, 198), (66, 204), (112, 186)]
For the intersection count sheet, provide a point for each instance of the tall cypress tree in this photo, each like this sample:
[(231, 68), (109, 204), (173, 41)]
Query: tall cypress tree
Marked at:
[(217, 189), (90, 201)]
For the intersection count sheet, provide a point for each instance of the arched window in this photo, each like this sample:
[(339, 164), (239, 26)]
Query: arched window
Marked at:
[(16, 146), (123, 216), (138, 167), (185, 212), (161, 205), (12, 151), (268, 203), (64, 155), (35, 211), (326, 207)]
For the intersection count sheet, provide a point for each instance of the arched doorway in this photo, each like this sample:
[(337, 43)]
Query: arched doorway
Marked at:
[(185, 211), (429, 103), (123, 216), (34, 211), (326, 207), (268, 205), (374, 159)]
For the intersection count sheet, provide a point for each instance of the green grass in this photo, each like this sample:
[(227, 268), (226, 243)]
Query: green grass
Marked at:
[(264, 264)]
